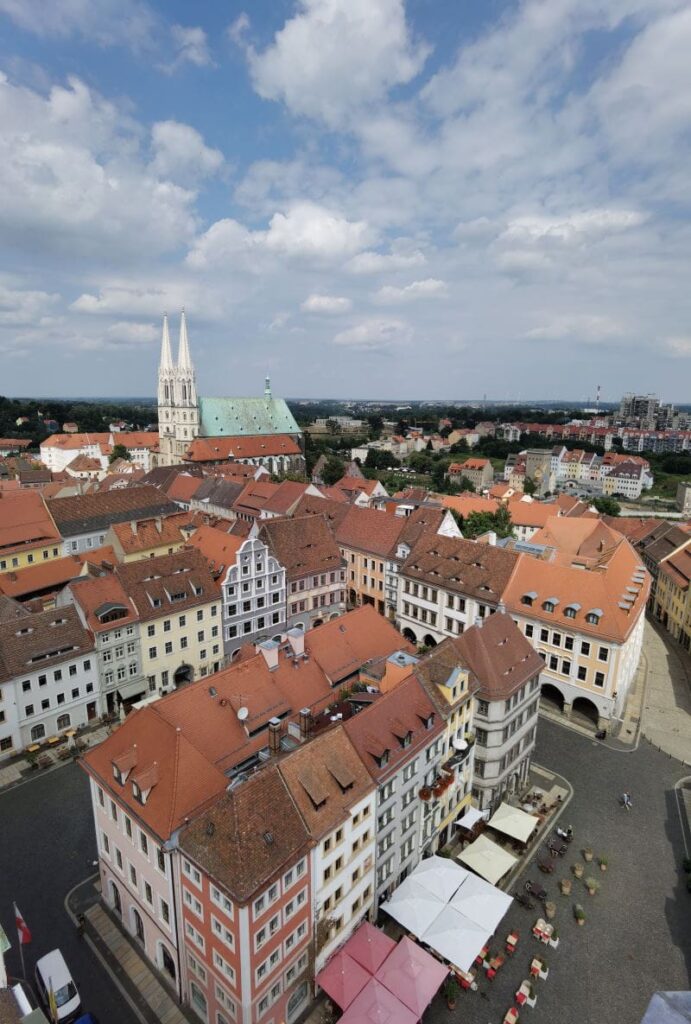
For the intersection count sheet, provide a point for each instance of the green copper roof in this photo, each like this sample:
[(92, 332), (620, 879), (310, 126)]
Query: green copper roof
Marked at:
[(240, 417)]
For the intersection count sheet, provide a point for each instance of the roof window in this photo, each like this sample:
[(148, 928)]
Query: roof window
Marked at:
[(593, 617), (529, 597)]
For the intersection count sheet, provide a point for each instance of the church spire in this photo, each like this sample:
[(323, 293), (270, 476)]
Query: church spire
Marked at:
[(184, 360), (166, 355), (267, 387)]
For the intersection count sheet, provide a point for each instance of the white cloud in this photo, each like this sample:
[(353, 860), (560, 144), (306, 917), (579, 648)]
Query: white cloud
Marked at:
[(587, 328), (123, 301), (374, 335), (378, 263), (335, 57), (679, 346), (181, 154), (331, 304), (191, 47), (430, 288), (571, 229), (129, 333), (223, 242), (72, 175), (19, 307), (308, 229), (108, 22), (238, 29)]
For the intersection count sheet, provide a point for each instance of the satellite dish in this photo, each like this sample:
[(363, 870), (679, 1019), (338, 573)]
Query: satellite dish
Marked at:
[(243, 714), (459, 744)]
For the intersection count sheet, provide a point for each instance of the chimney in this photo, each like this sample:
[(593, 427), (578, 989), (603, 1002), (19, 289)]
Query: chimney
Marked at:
[(159, 523), (275, 736), (305, 723), (296, 638), (270, 651), (133, 527), (501, 608)]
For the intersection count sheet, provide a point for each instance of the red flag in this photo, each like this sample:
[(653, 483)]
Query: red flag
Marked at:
[(23, 933)]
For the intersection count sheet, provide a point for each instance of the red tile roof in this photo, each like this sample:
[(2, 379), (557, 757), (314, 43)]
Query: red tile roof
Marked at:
[(210, 449), (25, 522)]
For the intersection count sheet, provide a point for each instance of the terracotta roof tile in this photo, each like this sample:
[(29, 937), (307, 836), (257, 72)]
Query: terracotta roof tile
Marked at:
[(498, 655), (43, 639), (85, 512), (464, 566), (303, 545), (25, 521)]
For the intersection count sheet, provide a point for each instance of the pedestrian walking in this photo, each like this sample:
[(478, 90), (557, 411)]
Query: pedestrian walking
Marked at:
[(626, 800)]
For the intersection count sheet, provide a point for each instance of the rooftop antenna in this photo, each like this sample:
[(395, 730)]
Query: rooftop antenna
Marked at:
[(597, 401)]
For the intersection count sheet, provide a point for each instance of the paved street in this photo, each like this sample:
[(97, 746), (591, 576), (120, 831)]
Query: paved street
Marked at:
[(48, 847), (637, 937), (667, 706)]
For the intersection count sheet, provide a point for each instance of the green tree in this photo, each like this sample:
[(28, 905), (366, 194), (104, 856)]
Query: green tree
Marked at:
[(376, 425), (333, 470), (377, 459), (607, 506), (466, 485), (478, 523), (529, 486), (119, 452), (439, 481)]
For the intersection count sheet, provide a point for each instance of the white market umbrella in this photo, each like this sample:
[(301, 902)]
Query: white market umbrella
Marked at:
[(481, 902), (456, 938)]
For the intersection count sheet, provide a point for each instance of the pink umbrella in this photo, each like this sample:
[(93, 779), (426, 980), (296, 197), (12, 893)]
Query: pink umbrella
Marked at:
[(342, 979), (369, 946), (412, 975), (376, 1005)]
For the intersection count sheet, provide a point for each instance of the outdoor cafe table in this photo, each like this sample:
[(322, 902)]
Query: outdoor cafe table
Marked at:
[(466, 979), (493, 965), (535, 967), (482, 955), (523, 992), (542, 930), (511, 1016), (511, 942)]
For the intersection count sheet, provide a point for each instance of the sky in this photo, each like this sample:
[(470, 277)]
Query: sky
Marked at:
[(435, 199)]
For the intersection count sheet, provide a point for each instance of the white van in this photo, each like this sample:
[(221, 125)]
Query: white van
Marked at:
[(52, 975)]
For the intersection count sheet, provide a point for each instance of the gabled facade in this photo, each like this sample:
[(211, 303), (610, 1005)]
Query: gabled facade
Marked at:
[(254, 597)]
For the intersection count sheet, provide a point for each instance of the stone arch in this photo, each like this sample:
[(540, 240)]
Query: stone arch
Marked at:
[(165, 960), (552, 697), (409, 635), (585, 711), (184, 674), (115, 899), (317, 622), (334, 616)]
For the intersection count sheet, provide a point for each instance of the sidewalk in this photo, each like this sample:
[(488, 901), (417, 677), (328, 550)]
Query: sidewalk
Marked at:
[(667, 706), (152, 1001), (19, 769)]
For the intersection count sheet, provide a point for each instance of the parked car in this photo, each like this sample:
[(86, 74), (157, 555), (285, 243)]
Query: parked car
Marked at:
[(52, 976)]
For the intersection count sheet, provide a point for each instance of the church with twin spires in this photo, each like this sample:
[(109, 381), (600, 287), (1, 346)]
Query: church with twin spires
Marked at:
[(193, 429)]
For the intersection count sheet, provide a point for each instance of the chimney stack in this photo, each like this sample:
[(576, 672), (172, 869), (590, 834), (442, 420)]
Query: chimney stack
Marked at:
[(296, 638), (274, 736), (305, 723), (269, 649)]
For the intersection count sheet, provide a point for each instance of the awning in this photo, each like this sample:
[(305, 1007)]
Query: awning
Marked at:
[(456, 937), (514, 822), (481, 902), (412, 974), (413, 906), (668, 1008), (376, 1005), (342, 979), (369, 947), (487, 859), (471, 818), (132, 689), (440, 876)]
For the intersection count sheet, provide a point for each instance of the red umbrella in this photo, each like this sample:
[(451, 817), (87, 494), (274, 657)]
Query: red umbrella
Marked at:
[(369, 946), (412, 975), (342, 979), (376, 1005)]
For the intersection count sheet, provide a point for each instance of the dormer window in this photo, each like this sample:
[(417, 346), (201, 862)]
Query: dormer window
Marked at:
[(406, 740), (593, 617), (118, 775), (529, 598), (550, 604), (382, 759), (570, 612), (137, 793)]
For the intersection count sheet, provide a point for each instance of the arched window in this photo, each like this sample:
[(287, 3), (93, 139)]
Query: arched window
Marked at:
[(63, 722), (166, 392), (38, 732)]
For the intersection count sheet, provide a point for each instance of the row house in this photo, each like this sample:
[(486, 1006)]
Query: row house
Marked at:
[(244, 882), (587, 625), (446, 584), (314, 568), (83, 520), (507, 672), (110, 615), (673, 595), (420, 521), (450, 686), (28, 533), (254, 597), (657, 545), (180, 618), (337, 800), (147, 538), (48, 678), (59, 450), (398, 740), (627, 480)]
